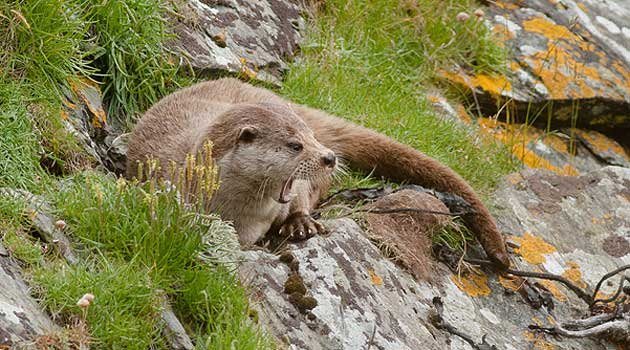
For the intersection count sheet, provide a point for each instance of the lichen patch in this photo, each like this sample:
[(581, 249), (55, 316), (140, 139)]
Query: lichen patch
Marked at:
[(376, 279), (574, 274), (533, 249), (475, 285)]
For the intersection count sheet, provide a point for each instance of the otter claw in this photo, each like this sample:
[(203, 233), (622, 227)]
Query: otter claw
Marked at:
[(300, 227)]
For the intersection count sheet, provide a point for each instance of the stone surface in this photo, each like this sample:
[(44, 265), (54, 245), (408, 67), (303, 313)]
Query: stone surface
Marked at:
[(250, 38), (22, 321), (568, 151), (573, 226), (85, 118), (39, 214), (560, 52)]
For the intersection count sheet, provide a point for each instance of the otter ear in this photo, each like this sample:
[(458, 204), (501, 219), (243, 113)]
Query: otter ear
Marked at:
[(247, 134)]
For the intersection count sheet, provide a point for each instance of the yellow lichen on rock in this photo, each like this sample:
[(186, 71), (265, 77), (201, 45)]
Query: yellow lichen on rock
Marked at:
[(532, 248), (552, 287), (538, 340), (79, 87), (512, 283), (472, 284), (376, 279), (574, 274), (518, 137), (494, 84), (550, 30), (602, 143)]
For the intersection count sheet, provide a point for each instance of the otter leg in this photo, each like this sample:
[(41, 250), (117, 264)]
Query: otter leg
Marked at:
[(299, 225)]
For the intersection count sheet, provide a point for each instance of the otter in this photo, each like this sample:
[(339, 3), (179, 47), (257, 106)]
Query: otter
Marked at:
[(276, 158)]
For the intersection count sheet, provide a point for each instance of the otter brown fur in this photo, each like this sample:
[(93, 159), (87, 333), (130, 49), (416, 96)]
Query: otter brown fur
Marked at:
[(266, 147)]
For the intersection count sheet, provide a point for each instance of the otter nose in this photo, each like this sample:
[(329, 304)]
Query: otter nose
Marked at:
[(329, 160)]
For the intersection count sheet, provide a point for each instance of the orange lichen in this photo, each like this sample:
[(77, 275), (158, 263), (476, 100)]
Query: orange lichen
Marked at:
[(514, 178), (494, 84), (538, 340), (563, 55), (502, 32), (63, 114), (554, 290), (506, 5), (376, 279), (532, 248), (512, 283), (574, 274), (434, 98), (548, 29), (582, 7), (519, 137), (602, 143), (99, 119), (472, 284)]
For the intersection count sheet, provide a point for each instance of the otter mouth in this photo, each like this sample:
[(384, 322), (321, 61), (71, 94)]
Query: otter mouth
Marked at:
[(285, 193)]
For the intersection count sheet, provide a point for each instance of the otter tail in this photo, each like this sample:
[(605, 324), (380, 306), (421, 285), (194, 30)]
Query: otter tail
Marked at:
[(366, 150)]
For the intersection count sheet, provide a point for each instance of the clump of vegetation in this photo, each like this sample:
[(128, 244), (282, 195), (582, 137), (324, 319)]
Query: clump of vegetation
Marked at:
[(138, 243), (372, 62)]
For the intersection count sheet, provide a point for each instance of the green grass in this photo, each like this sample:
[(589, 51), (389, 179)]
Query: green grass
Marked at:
[(118, 44), (372, 62), (135, 245), (19, 147)]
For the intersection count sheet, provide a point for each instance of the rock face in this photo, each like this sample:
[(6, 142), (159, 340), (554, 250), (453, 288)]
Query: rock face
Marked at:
[(351, 297), (21, 319), (561, 52), (568, 151), (85, 118), (252, 38)]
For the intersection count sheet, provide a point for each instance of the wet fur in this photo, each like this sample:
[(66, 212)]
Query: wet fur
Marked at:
[(218, 110)]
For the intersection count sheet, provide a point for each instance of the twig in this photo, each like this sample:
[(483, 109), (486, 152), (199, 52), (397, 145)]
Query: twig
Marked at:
[(371, 341), (542, 275), (615, 296), (617, 329), (605, 277), (438, 321), (408, 210)]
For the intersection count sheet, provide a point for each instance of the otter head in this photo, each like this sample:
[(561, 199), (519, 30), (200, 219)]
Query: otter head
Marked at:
[(270, 148)]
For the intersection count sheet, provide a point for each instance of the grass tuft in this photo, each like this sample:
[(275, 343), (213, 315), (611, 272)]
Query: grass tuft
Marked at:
[(137, 242), (371, 62)]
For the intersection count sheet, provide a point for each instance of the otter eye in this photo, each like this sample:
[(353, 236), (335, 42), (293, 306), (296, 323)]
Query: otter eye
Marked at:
[(297, 147)]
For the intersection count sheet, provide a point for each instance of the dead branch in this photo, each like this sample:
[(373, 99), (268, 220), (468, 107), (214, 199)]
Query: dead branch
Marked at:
[(601, 326), (605, 277), (438, 321), (542, 275)]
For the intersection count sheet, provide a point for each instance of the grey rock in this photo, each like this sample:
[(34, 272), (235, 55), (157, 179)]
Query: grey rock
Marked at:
[(363, 298), (22, 321), (561, 52), (253, 38), (40, 216), (100, 137)]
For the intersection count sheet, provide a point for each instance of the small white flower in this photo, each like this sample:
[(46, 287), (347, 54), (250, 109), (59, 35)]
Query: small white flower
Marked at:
[(479, 13), (85, 300), (462, 16), (60, 224)]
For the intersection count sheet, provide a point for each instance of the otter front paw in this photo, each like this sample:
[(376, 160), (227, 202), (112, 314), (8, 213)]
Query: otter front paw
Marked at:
[(300, 226)]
